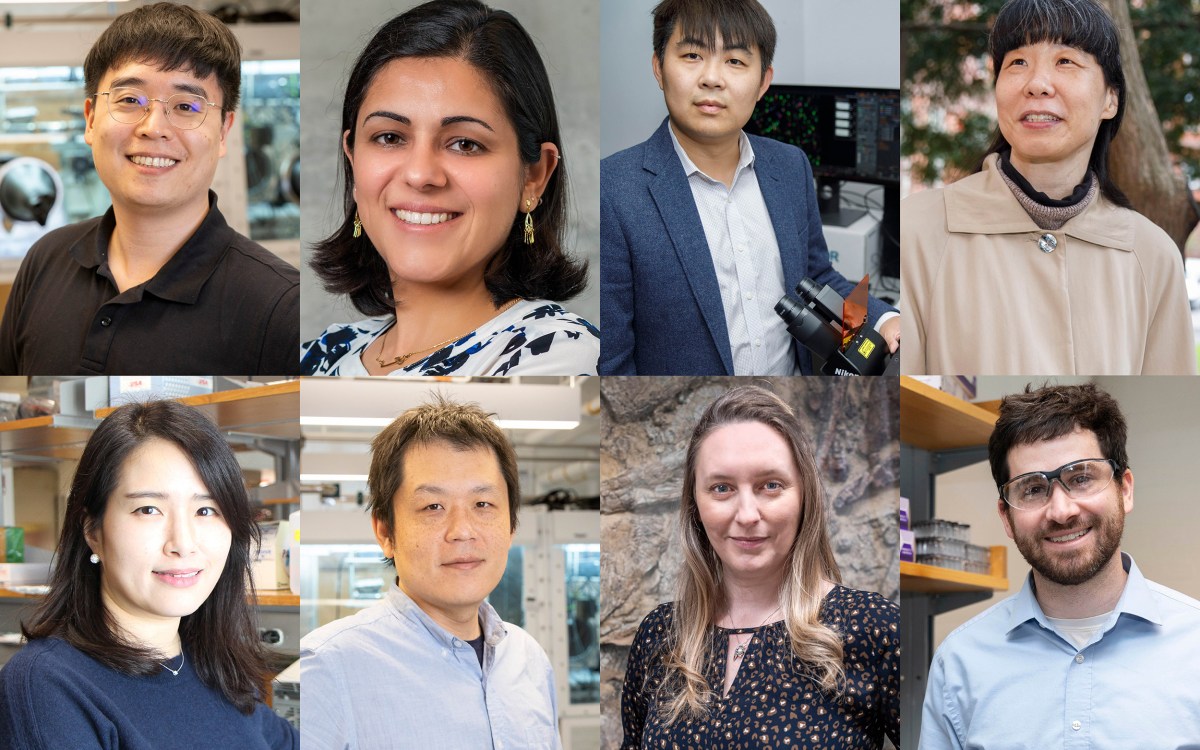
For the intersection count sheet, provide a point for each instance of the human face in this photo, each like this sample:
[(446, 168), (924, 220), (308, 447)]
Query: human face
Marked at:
[(438, 177), (1069, 540), (452, 533), (162, 540), (1050, 101), (181, 183), (748, 496), (710, 94)]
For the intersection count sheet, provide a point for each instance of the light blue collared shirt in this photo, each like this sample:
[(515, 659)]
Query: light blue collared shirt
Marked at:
[(1008, 680), (390, 678)]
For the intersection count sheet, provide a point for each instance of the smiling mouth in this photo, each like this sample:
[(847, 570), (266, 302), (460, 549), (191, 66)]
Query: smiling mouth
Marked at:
[(1068, 537), (416, 217), (1041, 118), (153, 161), (181, 575)]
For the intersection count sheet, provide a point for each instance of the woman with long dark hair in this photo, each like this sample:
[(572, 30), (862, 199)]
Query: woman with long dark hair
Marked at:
[(763, 647), (146, 639), (455, 204), (1037, 263)]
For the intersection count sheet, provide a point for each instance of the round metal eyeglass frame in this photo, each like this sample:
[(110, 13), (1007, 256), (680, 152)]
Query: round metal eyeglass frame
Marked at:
[(175, 119), (1056, 476)]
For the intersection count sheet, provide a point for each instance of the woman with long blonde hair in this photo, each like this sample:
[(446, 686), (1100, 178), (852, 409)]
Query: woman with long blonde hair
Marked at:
[(764, 647)]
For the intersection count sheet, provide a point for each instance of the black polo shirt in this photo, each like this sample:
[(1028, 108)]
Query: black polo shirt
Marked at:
[(222, 305)]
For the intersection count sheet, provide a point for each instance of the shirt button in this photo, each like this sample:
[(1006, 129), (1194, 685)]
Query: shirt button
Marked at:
[(758, 342), (456, 643), (1079, 658), (749, 296), (741, 248), (1047, 242), (1076, 725), (106, 322)]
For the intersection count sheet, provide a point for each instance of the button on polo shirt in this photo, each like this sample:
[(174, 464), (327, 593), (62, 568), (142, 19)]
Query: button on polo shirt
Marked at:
[(222, 305)]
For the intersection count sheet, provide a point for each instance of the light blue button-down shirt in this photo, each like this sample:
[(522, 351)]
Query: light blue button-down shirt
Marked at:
[(1007, 680), (390, 678)]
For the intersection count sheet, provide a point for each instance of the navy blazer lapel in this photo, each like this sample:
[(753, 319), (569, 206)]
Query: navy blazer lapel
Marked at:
[(671, 194), (781, 206)]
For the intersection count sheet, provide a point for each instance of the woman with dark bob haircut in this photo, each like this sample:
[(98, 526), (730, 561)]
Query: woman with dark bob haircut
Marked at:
[(146, 639), (1037, 263), (455, 208)]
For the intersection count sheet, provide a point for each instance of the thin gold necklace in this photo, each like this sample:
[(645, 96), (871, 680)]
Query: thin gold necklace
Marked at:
[(399, 361), (740, 651)]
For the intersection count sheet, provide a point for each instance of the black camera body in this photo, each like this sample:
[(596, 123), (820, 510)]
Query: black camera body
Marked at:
[(815, 320)]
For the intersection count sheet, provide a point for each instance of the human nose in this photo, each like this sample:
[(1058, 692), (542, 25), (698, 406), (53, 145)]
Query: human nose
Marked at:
[(711, 73), (459, 526), (1060, 506), (181, 536), (423, 169), (1038, 81), (154, 123), (746, 511)]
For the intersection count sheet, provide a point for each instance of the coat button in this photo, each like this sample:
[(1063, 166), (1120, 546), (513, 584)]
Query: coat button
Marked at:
[(106, 322), (1047, 243)]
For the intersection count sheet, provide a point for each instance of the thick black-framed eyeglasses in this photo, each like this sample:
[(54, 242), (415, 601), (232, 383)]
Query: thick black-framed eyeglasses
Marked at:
[(1079, 479)]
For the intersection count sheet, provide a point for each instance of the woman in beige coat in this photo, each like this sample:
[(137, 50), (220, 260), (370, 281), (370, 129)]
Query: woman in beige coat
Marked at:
[(1036, 264)]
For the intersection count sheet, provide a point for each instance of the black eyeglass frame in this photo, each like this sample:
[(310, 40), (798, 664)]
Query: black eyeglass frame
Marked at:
[(1056, 476)]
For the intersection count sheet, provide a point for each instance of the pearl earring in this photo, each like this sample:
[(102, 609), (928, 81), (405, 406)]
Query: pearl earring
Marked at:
[(94, 558)]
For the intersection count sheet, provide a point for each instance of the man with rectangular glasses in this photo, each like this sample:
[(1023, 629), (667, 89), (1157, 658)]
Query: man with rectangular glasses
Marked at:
[(159, 284), (1089, 654)]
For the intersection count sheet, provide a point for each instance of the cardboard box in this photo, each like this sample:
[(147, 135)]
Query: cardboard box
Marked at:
[(269, 567), (904, 514), (908, 546), (126, 389), (12, 544)]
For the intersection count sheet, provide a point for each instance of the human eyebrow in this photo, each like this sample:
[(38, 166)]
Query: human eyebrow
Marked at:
[(191, 88), (439, 491), (446, 121), (159, 495), (126, 82), (388, 115)]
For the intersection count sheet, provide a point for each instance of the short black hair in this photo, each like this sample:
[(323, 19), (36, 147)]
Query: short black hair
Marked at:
[(495, 44), (1054, 411), (220, 638), (740, 23), (173, 37), (1084, 25)]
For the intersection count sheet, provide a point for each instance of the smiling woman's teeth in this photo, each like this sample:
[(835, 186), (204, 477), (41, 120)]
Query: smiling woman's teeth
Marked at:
[(1041, 118), (412, 217), (152, 161)]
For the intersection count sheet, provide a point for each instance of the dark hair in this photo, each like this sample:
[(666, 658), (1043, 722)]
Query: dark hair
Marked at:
[(174, 37), (462, 426), (1085, 25), (741, 23), (1054, 411), (495, 44), (220, 637)]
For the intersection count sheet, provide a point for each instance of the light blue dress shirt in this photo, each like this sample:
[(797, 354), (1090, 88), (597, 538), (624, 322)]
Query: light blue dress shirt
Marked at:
[(390, 678), (1007, 680)]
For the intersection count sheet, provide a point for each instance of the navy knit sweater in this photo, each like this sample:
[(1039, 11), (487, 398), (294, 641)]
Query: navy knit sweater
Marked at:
[(53, 696)]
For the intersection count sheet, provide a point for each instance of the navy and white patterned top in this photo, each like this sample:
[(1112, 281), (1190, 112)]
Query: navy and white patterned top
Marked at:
[(533, 337)]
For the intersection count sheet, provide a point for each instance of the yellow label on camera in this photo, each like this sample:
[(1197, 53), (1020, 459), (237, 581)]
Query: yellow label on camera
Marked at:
[(866, 347)]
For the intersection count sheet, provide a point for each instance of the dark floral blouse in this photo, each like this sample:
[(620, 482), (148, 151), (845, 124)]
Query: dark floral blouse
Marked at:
[(774, 702)]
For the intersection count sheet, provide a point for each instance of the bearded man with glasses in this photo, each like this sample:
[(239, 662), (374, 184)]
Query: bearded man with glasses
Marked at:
[(1089, 654), (160, 284)]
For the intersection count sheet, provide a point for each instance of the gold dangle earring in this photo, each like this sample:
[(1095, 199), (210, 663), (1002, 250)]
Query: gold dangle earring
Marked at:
[(357, 226), (528, 221)]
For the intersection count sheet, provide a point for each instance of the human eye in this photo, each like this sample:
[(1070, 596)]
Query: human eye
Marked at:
[(147, 510), (466, 146), (690, 55), (208, 511), (484, 504), (721, 488), (736, 62), (189, 106), (773, 485), (387, 139), (433, 506)]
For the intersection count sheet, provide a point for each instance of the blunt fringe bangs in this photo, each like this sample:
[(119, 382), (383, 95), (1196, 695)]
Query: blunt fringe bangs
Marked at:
[(1054, 411), (499, 48), (739, 23), (1084, 25), (462, 426), (220, 637), (173, 37)]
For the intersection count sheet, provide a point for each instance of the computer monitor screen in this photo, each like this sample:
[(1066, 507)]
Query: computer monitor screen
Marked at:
[(847, 133)]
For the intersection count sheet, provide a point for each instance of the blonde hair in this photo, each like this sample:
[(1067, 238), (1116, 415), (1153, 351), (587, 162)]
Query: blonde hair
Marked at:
[(701, 594)]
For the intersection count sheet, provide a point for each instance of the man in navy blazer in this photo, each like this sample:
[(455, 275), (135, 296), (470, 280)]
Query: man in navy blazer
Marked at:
[(703, 227)]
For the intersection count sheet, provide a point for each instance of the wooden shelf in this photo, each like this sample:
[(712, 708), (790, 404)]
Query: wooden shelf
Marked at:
[(269, 410), (38, 436), (936, 421), (930, 579), (267, 598)]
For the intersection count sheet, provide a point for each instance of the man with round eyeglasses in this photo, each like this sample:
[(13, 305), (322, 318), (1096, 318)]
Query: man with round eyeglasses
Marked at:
[(1089, 654), (160, 284)]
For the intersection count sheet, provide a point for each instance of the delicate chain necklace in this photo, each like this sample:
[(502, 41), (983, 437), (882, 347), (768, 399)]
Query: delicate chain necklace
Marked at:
[(740, 651), (175, 672), (399, 361)]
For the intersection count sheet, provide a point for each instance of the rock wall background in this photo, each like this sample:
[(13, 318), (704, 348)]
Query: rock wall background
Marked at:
[(646, 422)]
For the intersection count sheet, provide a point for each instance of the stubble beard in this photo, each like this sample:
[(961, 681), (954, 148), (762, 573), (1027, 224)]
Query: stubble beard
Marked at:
[(1077, 566)]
